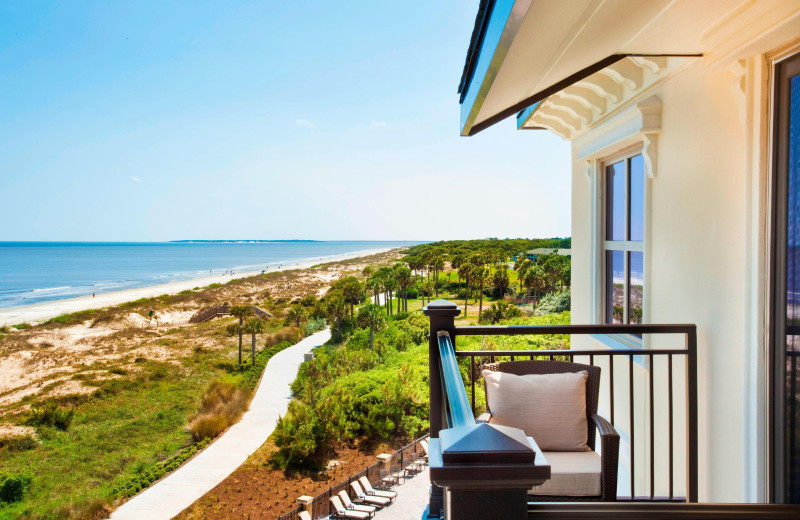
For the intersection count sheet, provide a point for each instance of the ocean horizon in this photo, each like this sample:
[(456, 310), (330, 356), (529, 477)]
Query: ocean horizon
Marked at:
[(33, 272)]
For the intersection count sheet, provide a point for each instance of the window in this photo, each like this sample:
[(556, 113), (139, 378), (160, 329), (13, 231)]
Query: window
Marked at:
[(624, 238)]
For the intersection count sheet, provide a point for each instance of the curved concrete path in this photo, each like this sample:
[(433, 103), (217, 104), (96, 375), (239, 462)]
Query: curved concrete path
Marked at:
[(180, 489)]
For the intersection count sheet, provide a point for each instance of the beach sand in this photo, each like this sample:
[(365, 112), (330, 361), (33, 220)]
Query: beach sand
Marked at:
[(43, 311)]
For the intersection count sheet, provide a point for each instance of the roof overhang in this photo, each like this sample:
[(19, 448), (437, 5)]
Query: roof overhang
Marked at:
[(524, 51)]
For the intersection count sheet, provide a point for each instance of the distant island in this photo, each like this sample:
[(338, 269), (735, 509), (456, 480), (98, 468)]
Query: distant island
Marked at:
[(235, 241)]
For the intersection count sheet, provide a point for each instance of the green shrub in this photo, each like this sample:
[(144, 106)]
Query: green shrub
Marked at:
[(158, 470), (349, 392), (314, 325), (14, 487), (222, 405), (50, 414), (22, 326), (553, 303), (4, 329), (18, 443), (502, 310)]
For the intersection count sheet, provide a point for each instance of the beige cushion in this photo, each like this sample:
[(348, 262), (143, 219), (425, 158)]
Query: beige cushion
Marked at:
[(572, 474), (551, 408)]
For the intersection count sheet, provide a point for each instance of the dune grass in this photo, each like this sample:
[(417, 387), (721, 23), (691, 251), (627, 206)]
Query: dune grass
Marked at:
[(122, 430)]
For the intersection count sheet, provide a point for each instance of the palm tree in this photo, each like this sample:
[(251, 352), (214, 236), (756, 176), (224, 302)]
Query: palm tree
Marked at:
[(521, 266), (404, 279), (374, 284), (456, 262), (372, 316), (297, 314), (241, 312), (390, 284), (479, 275), (352, 291), (463, 272), (253, 326), (438, 267), (500, 280)]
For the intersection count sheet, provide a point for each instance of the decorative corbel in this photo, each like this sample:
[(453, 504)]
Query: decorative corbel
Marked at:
[(738, 87), (589, 168), (650, 154)]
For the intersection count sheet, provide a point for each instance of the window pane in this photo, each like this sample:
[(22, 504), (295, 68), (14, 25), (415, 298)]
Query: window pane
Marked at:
[(637, 198), (636, 283), (615, 286), (615, 201)]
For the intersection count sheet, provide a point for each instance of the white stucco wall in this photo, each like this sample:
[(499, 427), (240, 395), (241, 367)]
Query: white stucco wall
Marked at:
[(696, 255)]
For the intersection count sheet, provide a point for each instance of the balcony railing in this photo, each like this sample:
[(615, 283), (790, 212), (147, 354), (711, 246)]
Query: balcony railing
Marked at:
[(648, 392)]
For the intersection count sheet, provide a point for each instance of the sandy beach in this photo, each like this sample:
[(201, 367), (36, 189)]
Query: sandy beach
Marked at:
[(43, 311)]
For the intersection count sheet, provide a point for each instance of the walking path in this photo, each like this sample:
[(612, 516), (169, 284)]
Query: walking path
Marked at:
[(411, 501), (179, 490)]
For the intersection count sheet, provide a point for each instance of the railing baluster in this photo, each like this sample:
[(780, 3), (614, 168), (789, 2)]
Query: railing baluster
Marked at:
[(652, 433), (632, 427), (611, 385), (669, 429), (591, 359), (472, 380)]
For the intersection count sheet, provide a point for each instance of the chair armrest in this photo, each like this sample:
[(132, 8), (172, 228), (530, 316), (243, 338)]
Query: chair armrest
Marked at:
[(485, 417), (609, 457)]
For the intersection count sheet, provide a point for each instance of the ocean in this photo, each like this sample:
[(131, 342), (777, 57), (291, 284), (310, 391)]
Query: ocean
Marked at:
[(32, 272)]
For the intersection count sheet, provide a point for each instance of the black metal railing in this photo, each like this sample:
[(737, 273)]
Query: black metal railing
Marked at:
[(620, 363), (616, 402), (321, 505)]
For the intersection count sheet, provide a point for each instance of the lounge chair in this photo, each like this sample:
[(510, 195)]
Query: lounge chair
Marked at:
[(304, 515), (339, 511), (578, 473), (369, 499), (424, 445), (349, 504), (412, 468), (388, 479), (368, 489)]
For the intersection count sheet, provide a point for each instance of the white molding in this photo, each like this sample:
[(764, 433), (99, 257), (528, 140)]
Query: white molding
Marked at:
[(639, 124)]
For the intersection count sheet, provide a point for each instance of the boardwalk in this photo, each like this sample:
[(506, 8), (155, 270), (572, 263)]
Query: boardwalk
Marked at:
[(180, 489)]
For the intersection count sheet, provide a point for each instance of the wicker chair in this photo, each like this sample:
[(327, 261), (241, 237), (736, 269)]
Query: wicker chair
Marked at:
[(609, 438)]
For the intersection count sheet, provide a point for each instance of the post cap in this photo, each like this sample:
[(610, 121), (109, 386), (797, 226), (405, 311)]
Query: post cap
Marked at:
[(305, 500), (384, 457), (441, 308), (485, 443)]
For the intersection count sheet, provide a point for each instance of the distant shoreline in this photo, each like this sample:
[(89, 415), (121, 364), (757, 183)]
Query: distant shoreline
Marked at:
[(42, 311)]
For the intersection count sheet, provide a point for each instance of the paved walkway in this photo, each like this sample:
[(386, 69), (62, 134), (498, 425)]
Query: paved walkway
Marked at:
[(411, 501), (194, 479)]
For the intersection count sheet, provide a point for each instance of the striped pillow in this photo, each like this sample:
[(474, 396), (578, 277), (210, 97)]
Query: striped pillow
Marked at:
[(551, 408)]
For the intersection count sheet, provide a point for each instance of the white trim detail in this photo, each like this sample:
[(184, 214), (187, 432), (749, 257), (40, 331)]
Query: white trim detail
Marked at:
[(639, 124)]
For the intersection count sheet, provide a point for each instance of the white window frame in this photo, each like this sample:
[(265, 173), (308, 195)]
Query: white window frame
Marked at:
[(625, 246), (633, 131)]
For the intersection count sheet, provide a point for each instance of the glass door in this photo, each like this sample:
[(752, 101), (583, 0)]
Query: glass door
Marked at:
[(785, 341)]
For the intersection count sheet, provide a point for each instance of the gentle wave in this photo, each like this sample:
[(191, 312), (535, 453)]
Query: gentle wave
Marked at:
[(36, 271)]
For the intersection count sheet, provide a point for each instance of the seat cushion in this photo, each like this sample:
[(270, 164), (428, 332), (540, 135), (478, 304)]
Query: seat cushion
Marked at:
[(551, 408), (573, 474)]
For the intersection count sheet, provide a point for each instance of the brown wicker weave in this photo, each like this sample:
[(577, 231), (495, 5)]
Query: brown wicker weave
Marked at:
[(609, 438)]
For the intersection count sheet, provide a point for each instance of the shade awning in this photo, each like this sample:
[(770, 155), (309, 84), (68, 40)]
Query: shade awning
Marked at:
[(526, 50)]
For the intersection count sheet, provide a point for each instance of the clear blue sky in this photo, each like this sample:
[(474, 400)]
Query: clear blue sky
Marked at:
[(149, 121)]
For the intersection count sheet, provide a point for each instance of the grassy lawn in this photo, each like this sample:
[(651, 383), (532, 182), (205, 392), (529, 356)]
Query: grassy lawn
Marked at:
[(128, 425)]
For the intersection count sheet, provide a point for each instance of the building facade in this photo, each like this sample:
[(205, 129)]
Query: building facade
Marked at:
[(684, 119)]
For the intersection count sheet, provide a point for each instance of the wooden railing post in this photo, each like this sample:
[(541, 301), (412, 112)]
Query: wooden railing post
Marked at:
[(442, 315), (486, 470)]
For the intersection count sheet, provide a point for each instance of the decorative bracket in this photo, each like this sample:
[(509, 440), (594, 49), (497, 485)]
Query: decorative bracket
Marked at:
[(738, 87), (650, 154)]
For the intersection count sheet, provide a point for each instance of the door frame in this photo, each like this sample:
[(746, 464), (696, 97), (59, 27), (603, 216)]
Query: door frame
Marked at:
[(783, 70)]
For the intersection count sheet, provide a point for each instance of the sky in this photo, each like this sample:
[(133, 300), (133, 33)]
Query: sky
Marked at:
[(153, 121)]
